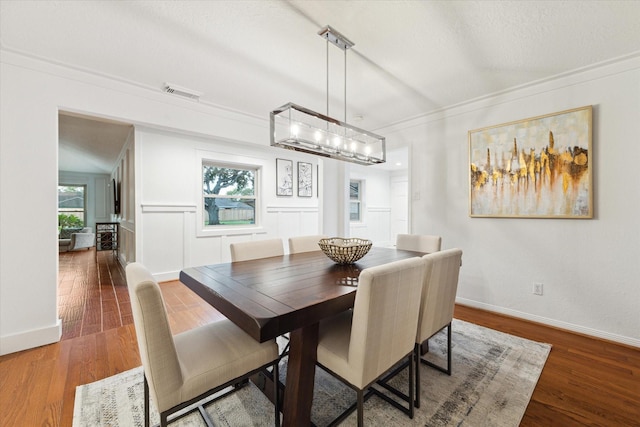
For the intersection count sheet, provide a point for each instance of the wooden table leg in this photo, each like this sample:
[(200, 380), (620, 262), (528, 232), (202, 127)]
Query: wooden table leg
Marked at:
[(298, 394)]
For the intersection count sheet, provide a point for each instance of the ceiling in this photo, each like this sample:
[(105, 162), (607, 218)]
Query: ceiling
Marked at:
[(410, 57)]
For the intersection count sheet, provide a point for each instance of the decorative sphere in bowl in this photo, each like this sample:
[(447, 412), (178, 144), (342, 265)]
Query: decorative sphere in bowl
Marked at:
[(345, 250)]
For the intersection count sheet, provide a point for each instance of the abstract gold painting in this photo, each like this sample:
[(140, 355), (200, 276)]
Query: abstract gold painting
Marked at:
[(534, 168)]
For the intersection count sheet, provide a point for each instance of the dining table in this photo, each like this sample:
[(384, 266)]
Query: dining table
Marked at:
[(292, 293)]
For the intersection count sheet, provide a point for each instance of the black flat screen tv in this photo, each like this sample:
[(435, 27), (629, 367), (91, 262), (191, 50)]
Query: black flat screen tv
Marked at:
[(116, 197)]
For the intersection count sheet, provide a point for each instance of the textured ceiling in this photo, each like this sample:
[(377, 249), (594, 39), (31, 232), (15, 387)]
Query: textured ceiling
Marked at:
[(410, 57)]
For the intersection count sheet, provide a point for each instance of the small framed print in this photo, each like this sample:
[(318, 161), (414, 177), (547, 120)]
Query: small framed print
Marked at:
[(305, 179), (284, 177)]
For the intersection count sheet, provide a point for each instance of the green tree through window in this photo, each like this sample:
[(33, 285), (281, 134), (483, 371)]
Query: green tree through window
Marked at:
[(71, 205), (229, 195)]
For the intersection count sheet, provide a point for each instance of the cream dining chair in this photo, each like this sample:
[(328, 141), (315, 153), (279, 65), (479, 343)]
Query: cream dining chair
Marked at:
[(304, 243), (439, 290), (419, 242), (360, 345), (256, 249), (181, 370)]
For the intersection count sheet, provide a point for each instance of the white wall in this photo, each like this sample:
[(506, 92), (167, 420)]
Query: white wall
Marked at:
[(589, 268), (375, 206), (124, 174), (31, 94)]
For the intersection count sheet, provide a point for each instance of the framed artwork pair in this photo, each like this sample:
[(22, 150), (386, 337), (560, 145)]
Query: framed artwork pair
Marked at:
[(285, 178)]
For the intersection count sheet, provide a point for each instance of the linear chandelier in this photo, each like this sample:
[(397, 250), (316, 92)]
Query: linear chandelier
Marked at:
[(297, 128)]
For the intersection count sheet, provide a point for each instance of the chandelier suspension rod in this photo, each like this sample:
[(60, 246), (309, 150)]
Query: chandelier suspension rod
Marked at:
[(345, 85), (345, 81), (327, 76)]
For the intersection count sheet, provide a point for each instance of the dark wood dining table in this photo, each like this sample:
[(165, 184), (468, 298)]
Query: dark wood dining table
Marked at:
[(269, 297)]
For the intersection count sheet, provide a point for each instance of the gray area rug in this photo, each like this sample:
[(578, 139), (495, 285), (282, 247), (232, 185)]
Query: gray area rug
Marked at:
[(494, 375)]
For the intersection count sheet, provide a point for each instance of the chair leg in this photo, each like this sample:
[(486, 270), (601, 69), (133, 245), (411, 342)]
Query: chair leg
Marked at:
[(416, 356), (411, 384), (446, 370), (276, 392), (449, 349), (360, 408), (146, 401)]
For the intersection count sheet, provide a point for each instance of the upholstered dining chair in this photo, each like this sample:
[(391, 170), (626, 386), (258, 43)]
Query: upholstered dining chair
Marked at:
[(181, 370), (419, 242), (436, 307), (304, 243), (256, 249), (360, 345)]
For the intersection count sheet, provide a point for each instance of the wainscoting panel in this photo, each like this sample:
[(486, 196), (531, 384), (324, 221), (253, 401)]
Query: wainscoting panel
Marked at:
[(289, 221), (170, 243), (375, 227), (163, 242)]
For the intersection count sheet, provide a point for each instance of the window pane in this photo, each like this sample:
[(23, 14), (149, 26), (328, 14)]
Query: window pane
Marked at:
[(229, 211), (354, 211), (229, 195), (354, 190), (227, 181), (71, 206)]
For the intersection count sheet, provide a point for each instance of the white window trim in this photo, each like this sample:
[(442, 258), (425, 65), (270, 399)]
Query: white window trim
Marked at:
[(231, 161), (360, 201)]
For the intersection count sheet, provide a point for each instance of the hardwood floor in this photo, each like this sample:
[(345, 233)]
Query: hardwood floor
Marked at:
[(585, 381), (92, 296)]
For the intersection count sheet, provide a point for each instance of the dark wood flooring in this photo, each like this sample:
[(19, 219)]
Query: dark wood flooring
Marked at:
[(585, 382)]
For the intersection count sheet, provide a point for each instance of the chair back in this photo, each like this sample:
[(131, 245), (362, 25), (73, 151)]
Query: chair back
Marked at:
[(420, 243), (256, 249), (439, 292), (155, 340), (385, 315), (304, 243)]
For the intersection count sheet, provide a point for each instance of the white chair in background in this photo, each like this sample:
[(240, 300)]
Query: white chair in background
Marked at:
[(304, 243), (256, 249), (360, 345), (419, 242), (181, 370)]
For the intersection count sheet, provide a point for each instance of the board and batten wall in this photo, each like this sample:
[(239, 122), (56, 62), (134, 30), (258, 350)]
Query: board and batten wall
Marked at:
[(590, 268), (170, 229)]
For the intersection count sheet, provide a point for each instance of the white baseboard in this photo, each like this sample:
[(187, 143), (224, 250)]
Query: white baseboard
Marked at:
[(551, 322), (167, 276), (30, 339)]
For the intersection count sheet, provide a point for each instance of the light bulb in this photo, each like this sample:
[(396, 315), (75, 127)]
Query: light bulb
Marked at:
[(317, 135), (294, 130)]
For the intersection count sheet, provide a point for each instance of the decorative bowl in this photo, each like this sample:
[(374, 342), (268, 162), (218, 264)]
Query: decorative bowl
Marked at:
[(345, 251)]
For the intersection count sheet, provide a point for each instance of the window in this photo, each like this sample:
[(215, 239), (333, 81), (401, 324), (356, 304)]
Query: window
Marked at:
[(355, 200), (230, 195), (71, 206)]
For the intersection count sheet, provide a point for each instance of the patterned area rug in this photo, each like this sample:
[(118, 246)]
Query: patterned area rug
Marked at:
[(493, 377)]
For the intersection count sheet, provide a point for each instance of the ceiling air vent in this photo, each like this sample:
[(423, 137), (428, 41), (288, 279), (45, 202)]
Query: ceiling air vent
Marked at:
[(181, 91)]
